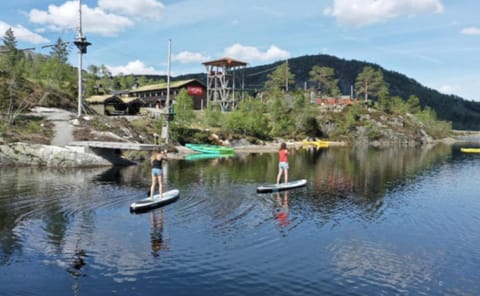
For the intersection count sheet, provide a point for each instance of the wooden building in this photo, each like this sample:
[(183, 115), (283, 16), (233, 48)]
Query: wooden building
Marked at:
[(115, 105), (155, 95)]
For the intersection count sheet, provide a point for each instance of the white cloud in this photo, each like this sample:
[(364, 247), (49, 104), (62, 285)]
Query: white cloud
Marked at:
[(23, 34), (250, 53), (65, 17), (134, 67), (186, 57), (448, 89), (145, 9), (365, 12), (470, 31)]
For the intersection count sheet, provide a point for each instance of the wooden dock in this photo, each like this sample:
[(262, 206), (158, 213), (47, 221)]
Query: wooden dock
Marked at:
[(115, 145)]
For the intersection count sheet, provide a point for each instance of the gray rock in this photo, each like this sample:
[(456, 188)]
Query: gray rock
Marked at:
[(50, 156)]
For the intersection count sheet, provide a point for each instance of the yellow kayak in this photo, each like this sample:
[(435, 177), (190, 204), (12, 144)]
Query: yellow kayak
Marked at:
[(470, 150), (318, 143)]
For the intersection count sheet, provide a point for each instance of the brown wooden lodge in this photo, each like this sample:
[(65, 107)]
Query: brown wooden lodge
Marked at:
[(148, 96)]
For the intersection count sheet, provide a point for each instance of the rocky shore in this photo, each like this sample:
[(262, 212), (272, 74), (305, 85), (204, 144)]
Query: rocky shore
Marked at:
[(59, 154), (24, 154)]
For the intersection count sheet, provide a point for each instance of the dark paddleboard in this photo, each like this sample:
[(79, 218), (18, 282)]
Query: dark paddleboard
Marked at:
[(281, 187), (156, 201)]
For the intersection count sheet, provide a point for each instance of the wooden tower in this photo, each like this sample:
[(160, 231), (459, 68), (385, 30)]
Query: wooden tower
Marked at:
[(223, 76)]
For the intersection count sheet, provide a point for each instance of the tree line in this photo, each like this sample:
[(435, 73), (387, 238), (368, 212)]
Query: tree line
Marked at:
[(283, 109), (51, 73)]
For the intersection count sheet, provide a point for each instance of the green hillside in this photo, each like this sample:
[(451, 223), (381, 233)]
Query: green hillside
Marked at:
[(463, 114)]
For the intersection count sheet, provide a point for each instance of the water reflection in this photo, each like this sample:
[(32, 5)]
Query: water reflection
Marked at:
[(371, 263), (156, 233), (367, 220), (282, 209)]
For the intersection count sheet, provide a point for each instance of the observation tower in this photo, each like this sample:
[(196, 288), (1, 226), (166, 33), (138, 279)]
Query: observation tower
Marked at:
[(223, 78)]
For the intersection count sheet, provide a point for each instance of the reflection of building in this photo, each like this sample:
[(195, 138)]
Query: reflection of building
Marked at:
[(224, 84)]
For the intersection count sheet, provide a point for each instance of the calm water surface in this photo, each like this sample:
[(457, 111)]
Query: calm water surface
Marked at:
[(369, 222)]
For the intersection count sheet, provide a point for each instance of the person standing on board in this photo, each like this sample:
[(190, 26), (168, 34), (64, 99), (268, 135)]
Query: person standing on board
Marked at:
[(156, 160), (282, 163)]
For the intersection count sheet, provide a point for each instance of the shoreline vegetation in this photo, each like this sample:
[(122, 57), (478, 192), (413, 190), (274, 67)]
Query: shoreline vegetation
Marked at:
[(347, 103), (49, 130), (27, 154)]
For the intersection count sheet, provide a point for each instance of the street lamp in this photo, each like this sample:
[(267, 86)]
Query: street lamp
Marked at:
[(82, 44)]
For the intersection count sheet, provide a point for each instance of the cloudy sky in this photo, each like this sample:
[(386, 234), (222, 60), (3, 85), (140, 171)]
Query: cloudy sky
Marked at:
[(436, 42)]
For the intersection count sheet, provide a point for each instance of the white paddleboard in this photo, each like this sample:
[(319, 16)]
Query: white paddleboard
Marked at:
[(156, 201), (282, 186)]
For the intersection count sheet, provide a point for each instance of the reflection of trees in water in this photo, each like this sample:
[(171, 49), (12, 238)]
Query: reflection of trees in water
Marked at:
[(124, 174), (39, 193), (370, 173), (382, 264), (355, 182)]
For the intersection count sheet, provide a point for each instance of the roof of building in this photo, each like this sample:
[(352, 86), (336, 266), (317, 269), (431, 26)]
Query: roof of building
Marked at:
[(225, 61), (97, 99), (163, 85), (101, 99)]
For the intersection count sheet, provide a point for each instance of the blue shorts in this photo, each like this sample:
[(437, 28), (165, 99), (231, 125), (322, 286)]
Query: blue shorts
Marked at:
[(157, 172), (283, 165)]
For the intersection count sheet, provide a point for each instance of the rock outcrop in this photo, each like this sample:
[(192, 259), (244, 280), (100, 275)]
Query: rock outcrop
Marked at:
[(50, 156)]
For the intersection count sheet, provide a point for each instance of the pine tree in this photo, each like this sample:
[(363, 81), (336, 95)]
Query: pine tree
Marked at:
[(325, 76), (280, 78), (370, 82), (13, 66)]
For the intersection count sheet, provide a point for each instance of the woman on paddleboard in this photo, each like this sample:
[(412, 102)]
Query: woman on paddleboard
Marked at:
[(156, 160), (282, 163)]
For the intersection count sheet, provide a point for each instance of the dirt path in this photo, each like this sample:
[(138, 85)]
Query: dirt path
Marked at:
[(62, 124)]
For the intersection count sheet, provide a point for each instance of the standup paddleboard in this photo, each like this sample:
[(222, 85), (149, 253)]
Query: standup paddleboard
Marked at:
[(282, 186), (156, 201)]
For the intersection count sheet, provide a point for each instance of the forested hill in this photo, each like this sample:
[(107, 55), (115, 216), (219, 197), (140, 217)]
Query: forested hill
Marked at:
[(463, 114)]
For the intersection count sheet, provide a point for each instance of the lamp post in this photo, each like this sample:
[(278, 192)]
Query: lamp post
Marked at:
[(169, 113), (82, 44)]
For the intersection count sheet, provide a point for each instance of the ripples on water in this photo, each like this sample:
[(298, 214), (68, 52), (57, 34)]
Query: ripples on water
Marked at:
[(363, 225)]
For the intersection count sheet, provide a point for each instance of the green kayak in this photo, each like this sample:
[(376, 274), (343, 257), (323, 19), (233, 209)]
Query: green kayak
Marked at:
[(211, 149)]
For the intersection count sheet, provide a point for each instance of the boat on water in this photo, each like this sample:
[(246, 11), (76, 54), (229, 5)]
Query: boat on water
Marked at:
[(210, 149), (315, 143), (470, 150)]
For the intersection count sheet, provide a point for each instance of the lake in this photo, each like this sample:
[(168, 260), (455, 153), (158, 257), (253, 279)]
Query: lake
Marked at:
[(369, 222)]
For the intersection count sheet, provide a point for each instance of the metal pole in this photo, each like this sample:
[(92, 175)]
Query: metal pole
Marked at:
[(168, 91), (286, 75), (82, 44), (80, 60), (79, 84)]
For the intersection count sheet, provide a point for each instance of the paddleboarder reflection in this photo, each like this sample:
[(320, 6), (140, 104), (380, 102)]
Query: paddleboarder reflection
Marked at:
[(282, 211), (156, 234)]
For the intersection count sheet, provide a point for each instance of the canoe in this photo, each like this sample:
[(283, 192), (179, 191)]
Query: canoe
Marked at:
[(157, 201), (470, 150), (281, 187), (212, 149), (317, 143)]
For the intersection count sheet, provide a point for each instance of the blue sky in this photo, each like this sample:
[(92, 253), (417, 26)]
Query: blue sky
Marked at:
[(436, 42)]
